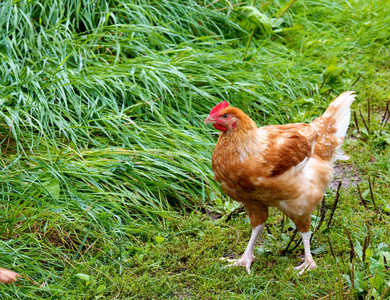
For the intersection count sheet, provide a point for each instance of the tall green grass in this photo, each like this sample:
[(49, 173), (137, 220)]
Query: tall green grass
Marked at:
[(102, 106)]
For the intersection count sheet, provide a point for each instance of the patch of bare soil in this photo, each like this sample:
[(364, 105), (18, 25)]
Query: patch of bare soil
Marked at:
[(345, 173)]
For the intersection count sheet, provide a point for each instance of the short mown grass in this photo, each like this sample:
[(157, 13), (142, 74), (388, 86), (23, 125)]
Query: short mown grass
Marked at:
[(106, 182)]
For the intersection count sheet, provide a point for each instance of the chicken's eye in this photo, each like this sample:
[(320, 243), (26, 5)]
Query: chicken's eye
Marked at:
[(225, 116)]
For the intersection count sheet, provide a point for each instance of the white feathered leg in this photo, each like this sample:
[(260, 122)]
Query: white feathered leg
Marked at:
[(247, 258), (308, 262)]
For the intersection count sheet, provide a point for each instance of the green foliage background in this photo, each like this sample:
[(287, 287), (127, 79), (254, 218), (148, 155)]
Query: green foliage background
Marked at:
[(102, 106)]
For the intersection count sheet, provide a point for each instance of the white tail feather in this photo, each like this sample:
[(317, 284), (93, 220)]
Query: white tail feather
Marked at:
[(342, 105), (340, 110)]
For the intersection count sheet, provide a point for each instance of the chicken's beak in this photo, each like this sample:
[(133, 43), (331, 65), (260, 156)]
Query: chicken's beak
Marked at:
[(209, 119)]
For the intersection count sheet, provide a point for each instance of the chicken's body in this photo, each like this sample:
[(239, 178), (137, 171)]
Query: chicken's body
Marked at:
[(286, 166)]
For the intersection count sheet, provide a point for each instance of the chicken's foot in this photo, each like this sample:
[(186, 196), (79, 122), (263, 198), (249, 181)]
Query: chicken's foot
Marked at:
[(7, 276), (308, 262), (247, 258)]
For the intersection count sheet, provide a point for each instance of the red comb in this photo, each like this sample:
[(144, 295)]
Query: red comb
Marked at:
[(218, 107)]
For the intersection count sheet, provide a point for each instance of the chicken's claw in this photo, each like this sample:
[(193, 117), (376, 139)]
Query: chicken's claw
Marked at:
[(7, 276), (307, 265), (245, 261)]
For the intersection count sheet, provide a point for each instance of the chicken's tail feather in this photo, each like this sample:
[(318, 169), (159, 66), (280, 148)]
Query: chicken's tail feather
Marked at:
[(332, 127), (340, 110)]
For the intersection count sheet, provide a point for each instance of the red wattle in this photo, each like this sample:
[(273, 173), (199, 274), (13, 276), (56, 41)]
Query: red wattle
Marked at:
[(219, 127)]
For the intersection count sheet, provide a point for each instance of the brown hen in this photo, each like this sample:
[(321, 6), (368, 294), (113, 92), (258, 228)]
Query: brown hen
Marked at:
[(286, 166)]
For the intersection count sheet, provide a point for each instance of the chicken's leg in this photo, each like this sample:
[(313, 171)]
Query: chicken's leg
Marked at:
[(308, 262), (247, 258)]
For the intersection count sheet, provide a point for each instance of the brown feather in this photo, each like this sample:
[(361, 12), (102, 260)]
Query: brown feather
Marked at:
[(287, 148), (325, 142)]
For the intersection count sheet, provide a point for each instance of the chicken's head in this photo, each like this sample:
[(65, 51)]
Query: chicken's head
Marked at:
[(221, 118)]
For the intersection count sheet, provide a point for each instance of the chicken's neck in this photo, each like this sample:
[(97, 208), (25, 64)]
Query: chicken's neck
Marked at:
[(244, 126), (244, 138)]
